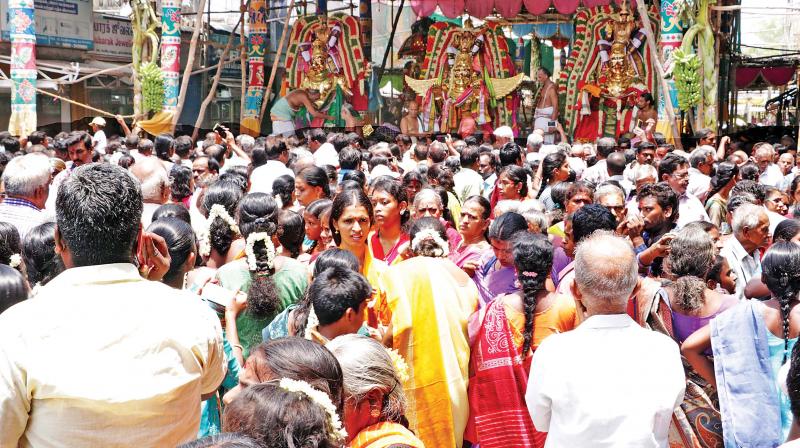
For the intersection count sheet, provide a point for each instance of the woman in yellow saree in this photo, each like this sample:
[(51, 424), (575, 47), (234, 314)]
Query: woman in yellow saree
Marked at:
[(426, 307)]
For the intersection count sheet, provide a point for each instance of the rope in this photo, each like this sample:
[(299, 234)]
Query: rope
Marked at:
[(85, 106), (59, 97)]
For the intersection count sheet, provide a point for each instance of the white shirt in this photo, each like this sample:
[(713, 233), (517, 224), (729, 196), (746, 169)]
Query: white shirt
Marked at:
[(772, 176), (488, 185), (626, 185), (467, 183), (744, 265), (148, 208), (690, 209), (232, 162), (577, 165), (102, 357), (326, 155), (261, 178), (100, 141), (699, 183), (597, 173), (608, 383)]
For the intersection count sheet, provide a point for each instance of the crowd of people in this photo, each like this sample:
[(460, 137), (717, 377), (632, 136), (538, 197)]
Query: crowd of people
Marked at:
[(326, 289)]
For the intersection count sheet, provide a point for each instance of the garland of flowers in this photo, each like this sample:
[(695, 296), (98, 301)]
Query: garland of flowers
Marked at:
[(430, 234), (312, 322), (321, 399), (14, 261), (252, 263), (217, 211), (400, 365)]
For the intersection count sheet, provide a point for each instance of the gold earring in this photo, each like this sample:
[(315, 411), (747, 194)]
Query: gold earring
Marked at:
[(375, 412)]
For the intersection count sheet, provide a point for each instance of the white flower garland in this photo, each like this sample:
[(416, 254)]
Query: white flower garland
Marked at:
[(430, 234), (217, 211), (252, 263), (312, 322), (321, 399), (14, 261)]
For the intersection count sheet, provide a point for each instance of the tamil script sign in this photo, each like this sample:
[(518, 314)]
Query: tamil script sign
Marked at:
[(113, 36), (59, 23)]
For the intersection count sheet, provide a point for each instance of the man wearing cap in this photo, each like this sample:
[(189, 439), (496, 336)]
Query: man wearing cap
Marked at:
[(99, 136)]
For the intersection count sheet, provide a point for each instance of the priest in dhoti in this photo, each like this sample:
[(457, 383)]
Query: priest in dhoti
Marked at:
[(546, 107)]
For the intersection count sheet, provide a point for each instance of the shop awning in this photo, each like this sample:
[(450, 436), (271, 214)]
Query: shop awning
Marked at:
[(505, 8), (772, 76)]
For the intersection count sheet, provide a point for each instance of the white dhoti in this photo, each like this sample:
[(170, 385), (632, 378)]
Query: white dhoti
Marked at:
[(283, 127), (541, 121)]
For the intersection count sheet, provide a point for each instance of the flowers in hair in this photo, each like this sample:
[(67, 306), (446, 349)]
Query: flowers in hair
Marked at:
[(14, 261), (431, 235), (400, 365), (312, 322), (252, 263), (217, 211), (319, 398)]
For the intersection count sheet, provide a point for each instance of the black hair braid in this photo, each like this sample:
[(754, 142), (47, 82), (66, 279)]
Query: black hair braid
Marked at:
[(262, 297), (785, 298), (533, 259), (221, 235), (531, 286)]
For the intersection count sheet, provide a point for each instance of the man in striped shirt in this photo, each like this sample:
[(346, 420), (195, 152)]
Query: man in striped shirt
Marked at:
[(26, 180)]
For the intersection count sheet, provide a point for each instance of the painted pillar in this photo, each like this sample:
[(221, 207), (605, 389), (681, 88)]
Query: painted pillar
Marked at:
[(23, 67), (365, 17), (256, 51), (171, 51), (671, 37)]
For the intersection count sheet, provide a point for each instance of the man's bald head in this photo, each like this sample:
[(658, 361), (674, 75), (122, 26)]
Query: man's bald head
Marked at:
[(153, 179)]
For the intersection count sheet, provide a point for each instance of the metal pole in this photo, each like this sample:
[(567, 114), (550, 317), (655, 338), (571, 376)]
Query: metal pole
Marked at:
[(389, 45)]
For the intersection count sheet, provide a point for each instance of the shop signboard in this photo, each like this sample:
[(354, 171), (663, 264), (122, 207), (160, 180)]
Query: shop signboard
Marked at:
[(59, 23), (113, 36)]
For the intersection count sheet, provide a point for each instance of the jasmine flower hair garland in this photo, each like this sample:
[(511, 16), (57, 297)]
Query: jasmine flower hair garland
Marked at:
[(252, 263), (319, 398), (217, 211), (429, 234)]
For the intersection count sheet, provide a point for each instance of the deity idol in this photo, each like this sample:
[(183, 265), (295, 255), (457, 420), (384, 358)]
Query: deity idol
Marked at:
[(462, 94), (322, 73)]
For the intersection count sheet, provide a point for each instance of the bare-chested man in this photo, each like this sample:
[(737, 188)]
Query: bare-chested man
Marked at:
[(284, 110), (547, 107), (410, 123), (647, 109)]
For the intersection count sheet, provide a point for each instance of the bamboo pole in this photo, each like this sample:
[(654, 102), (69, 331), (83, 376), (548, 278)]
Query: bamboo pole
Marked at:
[(243, 58), (212, 92), (659, 65), (198, 25), (275, 63)]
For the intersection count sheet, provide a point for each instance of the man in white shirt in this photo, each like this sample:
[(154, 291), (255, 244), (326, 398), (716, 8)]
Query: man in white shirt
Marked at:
[(154, 183), (750, 232), (598, 173), (467, 181), (26, 180), (770, 173), (261, 178), (674, 170), (103, 357), (487, 166), (99, 137), (533, 146), (702, 165), (615, 169), (609, 382)]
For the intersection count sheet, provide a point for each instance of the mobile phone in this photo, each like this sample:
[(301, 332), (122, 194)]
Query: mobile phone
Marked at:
[(220, 129), (551, 124), (216, 297)]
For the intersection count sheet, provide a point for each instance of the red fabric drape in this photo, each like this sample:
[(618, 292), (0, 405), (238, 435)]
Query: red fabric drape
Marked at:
[(508, 8), (537, 7), (774, 76), (480, 8), (452, 8), (423, 8), (566, 6)]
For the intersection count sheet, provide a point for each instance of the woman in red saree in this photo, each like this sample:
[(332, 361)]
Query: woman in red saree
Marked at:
[(503, 336)]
